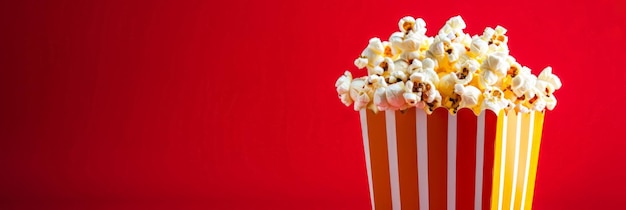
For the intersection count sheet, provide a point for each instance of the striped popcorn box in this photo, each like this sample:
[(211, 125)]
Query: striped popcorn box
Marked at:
[(442, 161)]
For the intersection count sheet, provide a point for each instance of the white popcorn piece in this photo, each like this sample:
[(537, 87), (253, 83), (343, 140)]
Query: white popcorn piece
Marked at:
[(376, 81), (411, 55), (424, 88), (411, 88), (429, 64), (376, 46), (343, 83), (465, 71), (547, 76), (500, 34), (405, 42), (442, 47), (541, 104), (361, 62), (478, 47), (394, 94), (493, 68), (496, 39), (420, 26), (432, 95), (469, 95), (343, 88), (465, 40), (384, 65), (397, 76), (412, 42), (375, 52), (546, 84), (523, 82), (494, 100), (488, 34), (413, 99), (453, 27), (416, 66), (362, 100), (426, 73), (396, 38), (356, 86), (370, 54), (380, 99), (407, 24), (437, 50), (550, 102), (454, 51), (403, 66), (545, 90)]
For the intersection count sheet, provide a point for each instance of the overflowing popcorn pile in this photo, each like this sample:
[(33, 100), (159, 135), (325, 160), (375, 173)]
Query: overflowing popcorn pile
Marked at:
[(452, 70)]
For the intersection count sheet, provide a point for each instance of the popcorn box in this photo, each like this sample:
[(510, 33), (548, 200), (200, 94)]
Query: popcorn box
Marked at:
[(442, 161)]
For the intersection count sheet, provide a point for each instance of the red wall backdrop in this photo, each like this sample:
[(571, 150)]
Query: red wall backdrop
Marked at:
[(231, 104)]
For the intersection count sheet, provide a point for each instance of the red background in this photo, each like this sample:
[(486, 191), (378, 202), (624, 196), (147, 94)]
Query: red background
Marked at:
[(231, 105)]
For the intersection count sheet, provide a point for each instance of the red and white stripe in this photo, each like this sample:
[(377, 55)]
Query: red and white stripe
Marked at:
[(436, 161)]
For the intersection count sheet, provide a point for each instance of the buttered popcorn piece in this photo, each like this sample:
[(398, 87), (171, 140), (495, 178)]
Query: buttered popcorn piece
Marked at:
[(452, 70)]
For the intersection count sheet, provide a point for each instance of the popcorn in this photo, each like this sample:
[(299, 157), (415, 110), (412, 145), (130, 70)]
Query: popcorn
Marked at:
[(453, 27), (358, 94), (395, 96), (496, 39), (547, 76), (369, 56), (380, 99), (465, 72), (493, 68), (409, 24), (426, 91), (379, 86), (478, 47), (361, 101), (375, 52), (343, 88), (494, 100), (384, 66), (424, 70), (470, 95), (452, 70), (523, 82), (397, 76)]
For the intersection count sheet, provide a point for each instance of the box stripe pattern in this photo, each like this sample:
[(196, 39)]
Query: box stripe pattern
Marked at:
[(416, 160)]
